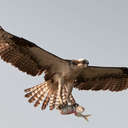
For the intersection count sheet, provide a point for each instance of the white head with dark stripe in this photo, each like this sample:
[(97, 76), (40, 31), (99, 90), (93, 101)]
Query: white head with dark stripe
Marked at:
[(79, 64)]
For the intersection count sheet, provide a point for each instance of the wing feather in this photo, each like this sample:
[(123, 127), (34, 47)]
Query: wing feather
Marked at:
[(103, 78), (26, 56)]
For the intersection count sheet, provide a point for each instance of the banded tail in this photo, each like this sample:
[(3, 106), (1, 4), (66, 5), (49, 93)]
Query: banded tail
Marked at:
[(46, 93)]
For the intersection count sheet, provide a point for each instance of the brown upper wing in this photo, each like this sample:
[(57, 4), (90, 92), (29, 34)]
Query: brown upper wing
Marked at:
[(103, 78), (27, 56)]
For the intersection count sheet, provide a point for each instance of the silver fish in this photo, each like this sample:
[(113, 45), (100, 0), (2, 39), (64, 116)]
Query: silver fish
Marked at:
[(76, 109)]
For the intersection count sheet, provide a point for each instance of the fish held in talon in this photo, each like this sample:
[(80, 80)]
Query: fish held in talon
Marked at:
[(77, 110)]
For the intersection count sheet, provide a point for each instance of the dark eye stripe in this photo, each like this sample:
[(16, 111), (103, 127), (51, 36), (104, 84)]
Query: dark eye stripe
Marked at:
[(83, 62), (74, 63)]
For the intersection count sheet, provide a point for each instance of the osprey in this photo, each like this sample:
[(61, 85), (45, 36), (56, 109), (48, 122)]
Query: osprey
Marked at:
[(61, 75)]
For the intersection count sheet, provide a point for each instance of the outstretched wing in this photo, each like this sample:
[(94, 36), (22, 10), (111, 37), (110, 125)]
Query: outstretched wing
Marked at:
[(103, 78), (27, 56)]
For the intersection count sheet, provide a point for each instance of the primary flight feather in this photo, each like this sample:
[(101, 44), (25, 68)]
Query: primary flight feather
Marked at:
[(61, 75)]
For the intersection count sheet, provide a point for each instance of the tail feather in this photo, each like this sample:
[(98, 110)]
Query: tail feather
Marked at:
[(47, 93), (40, 99), (52, 101), (45, 103), (40, 91), (64, 95), (57, 101), (28, 95), (33, 88), (31, 91), (72, 100)]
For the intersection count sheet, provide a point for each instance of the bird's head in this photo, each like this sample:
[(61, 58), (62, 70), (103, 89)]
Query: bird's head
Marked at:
[(81, 63)]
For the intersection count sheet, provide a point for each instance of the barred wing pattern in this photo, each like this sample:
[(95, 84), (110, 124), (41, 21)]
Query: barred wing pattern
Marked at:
[(103, 78), (25, 55), (33, 60)]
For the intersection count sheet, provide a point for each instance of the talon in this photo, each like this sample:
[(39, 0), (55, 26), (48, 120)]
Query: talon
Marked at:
[(75, 105), (61, 106)]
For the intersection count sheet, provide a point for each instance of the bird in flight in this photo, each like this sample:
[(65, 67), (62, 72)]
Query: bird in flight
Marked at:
[(61, 75)]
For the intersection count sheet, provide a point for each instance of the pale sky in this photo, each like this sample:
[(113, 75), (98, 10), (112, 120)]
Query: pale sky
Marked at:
[(93, 29)]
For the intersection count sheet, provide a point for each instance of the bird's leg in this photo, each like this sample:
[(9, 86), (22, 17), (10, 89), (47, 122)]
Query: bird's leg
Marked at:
[(69, 88)]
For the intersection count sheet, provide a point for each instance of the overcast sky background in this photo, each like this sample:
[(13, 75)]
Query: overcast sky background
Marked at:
[(93, 29)]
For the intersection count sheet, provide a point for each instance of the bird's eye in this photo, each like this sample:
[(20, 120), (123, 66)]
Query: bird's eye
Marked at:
[(74, 63), (84, 62)]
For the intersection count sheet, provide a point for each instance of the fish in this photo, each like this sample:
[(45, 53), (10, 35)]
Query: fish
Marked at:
[(75, 109)]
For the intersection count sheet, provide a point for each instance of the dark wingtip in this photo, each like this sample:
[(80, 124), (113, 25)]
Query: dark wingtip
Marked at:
[(125, 70)]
